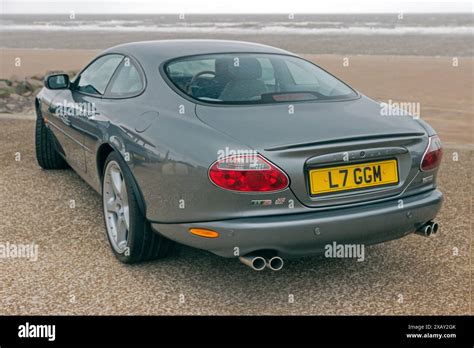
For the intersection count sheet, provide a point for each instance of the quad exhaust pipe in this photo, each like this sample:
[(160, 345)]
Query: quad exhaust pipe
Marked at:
[(259, 263), (276, 263), (430, 229)]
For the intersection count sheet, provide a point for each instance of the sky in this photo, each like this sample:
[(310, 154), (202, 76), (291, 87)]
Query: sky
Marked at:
[(232, 6)]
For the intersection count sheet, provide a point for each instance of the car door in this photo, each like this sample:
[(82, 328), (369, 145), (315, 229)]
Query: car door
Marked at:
[(74, 106), (117, 112)]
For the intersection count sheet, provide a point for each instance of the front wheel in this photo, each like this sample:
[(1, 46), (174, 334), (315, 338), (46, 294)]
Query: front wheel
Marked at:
[(47, 155), (129, 233)]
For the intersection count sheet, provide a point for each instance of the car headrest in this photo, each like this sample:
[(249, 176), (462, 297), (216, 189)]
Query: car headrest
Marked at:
[(222, 66), (248, 68)]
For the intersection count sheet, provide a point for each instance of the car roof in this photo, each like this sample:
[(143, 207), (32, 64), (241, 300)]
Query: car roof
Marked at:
[(163, 50)]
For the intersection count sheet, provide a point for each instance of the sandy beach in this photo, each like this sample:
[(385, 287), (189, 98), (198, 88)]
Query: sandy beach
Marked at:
[(40, 61), (444, 91)]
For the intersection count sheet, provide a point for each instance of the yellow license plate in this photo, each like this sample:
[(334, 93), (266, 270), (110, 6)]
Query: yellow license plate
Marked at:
[(351, 177)]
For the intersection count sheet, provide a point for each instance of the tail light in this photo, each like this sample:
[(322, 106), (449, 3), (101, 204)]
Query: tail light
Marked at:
[(433, 153), (247, 173)]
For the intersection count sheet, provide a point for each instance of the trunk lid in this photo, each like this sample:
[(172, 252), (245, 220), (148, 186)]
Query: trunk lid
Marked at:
[(274, 126), (325, 134)]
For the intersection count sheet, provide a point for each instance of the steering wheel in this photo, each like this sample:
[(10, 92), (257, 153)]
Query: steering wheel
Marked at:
[(195, 77)]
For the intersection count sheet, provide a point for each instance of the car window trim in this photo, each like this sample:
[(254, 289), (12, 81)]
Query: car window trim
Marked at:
[(164, 76)]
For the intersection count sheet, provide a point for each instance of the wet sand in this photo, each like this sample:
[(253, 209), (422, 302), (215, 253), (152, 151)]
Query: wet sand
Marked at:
[(380, 44)]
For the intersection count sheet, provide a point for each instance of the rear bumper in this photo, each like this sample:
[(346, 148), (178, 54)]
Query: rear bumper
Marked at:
[(303, 234)]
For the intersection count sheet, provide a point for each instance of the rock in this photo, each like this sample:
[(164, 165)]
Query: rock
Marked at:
[(54, 72), (10, 107), (5, 92), (15, 79), (4, 83), (24, 87), (38, 77), (35, 83), (15, 97)]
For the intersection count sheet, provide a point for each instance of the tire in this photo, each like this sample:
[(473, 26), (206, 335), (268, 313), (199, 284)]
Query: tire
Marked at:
[(47, 155), (141, 243)]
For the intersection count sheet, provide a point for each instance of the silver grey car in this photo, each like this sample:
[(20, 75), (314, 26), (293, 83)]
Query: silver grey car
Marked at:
[(241, 149)]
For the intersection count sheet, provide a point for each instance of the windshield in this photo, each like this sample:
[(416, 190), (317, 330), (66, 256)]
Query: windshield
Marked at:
[(254, 79)]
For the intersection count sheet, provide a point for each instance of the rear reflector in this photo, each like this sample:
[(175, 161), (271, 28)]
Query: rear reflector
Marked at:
[(247, 173), (202, 232), (433, 154)]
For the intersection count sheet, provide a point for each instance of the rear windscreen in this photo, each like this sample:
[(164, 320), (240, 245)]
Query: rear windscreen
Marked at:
[(254, 78)]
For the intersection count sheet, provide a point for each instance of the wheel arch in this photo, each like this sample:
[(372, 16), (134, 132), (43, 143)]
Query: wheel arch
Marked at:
[(103, 152)]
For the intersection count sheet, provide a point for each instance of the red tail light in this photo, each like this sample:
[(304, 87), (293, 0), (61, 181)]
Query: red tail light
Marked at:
[(433, 153), (247, 173)]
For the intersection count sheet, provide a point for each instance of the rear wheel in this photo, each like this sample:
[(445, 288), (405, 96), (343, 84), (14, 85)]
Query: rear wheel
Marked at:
[(47, 155), (129, 233)]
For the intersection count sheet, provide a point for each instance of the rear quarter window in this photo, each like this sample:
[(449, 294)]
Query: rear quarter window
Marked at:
[(127, 81)]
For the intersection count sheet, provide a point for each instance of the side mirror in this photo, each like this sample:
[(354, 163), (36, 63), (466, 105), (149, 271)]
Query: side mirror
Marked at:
[(56, 81)]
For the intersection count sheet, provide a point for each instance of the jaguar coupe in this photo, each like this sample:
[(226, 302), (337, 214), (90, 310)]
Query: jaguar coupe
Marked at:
[(240, 149)]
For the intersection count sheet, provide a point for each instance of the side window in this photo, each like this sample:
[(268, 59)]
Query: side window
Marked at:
[(95, 78), (127, 81)]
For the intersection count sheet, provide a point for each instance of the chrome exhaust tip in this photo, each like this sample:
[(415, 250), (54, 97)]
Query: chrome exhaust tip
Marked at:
[(425, 230), (257, 263), (434, 228), (275, 263)]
